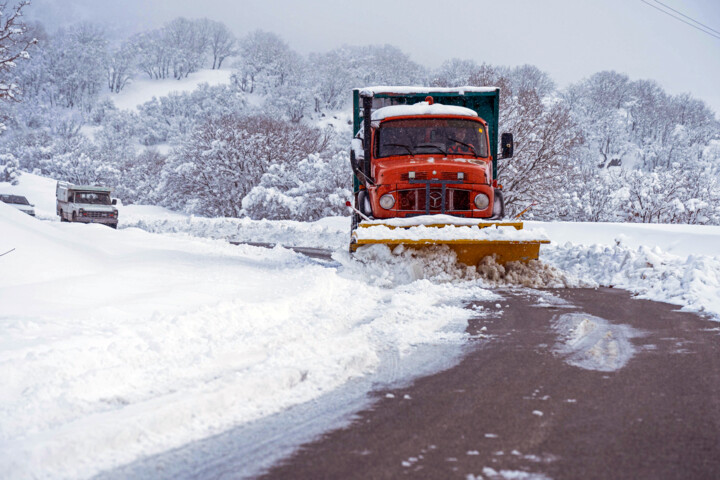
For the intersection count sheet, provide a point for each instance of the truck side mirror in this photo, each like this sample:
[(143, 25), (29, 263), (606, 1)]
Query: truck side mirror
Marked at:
[(506, 142), (114, 201)]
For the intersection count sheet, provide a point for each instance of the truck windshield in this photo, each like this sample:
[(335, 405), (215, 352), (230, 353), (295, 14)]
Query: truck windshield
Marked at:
[(432, 135), (94, 198)]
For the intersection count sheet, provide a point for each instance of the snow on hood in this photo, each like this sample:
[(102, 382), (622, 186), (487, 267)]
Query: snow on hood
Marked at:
[(421, 108), (455, 232)]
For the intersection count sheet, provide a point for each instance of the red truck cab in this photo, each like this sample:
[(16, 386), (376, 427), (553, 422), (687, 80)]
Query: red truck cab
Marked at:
[(428, 158)]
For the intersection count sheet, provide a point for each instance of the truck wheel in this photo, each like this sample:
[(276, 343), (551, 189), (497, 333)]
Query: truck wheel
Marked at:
[(62, 216), (74, 218), (498, 206), (363, 204), (354, 221)]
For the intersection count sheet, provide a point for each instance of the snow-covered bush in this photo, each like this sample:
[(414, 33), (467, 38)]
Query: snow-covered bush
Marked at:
[(140, 180), (78, 161), (313, 188), (172, 117), (9, 168), (225, 157)]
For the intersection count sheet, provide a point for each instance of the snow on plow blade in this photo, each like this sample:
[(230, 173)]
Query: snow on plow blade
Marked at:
[(471, 242)]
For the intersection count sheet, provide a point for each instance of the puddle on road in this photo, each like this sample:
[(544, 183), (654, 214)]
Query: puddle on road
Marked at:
[(593, 343)]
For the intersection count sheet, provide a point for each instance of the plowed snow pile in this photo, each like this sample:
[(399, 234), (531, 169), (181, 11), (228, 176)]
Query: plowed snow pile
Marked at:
[(438, 263)]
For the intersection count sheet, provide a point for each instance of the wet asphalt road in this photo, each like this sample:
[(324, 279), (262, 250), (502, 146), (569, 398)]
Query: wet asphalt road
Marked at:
[(515, 404)]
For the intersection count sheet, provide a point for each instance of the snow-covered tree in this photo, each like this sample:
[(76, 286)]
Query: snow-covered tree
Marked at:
[(73, 67), (318, 186), (176, 50), (225, 157), (266, 61), (190, 40), (333, 74), (14, 44), (140, 181), (223, 43), (121, 66), (9, 167), (15, 41), (454, 72)]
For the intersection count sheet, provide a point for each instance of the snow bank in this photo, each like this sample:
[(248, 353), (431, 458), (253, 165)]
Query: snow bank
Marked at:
[(40, 191), (692, 282), (678, 264), (119, 344), (332, 233)]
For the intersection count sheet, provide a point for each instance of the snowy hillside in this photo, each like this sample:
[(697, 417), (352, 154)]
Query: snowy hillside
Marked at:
[(141, 89)]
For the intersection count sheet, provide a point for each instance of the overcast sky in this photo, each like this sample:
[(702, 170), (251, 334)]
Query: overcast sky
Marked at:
[(569, 39)]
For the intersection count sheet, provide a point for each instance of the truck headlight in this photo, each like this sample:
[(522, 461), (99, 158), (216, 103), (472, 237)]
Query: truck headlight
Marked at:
[(387, 201), (482, 201)]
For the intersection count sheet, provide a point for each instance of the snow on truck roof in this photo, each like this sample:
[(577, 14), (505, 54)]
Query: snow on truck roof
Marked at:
[(422, 108), (372, 91), (85, 188)]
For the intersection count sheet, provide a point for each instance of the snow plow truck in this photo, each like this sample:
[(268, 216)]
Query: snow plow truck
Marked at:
[(424, 163)]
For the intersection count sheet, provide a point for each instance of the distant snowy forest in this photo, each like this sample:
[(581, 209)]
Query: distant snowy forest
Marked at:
[(274, 142)]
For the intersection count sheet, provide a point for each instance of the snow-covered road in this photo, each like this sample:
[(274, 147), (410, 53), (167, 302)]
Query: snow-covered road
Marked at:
[(116, 345), (119, 344)]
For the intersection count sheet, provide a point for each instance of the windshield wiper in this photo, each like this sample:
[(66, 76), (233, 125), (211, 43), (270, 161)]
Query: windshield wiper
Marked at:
[(474, 152), (431, 145), (406, 147)]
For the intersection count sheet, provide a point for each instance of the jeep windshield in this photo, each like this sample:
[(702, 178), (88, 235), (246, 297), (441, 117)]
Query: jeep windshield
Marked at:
[(431, 135), (93, 198), (14, 199)]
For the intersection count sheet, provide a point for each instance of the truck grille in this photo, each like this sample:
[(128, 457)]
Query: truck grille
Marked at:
[(414, 200), (97, 214), (424, 176)]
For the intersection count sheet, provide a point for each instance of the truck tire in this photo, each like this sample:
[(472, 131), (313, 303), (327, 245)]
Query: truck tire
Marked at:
[(498, 206), (74, 217), (363, 204), (62, 216), (354, 221)]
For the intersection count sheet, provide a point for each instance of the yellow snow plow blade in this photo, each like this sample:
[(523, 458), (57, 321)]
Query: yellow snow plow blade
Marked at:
[(469, 251)]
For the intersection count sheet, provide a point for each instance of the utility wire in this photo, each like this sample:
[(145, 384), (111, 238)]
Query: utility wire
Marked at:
[(689, 18), (681, 20)]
